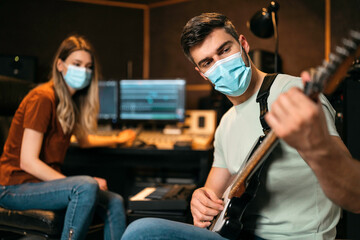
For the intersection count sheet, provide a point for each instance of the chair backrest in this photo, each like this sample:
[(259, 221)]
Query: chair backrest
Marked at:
[(12, 91)]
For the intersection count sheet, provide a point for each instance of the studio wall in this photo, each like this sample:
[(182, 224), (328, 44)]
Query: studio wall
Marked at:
[(36, 28), (301, 27)]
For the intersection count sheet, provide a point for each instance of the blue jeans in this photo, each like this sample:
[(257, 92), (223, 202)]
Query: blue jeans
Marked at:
[(79, 196), (161, 229)]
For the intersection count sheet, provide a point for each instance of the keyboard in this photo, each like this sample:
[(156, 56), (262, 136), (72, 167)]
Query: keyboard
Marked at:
[(168, 192), (168, 141), (164, 197), (160, 140)]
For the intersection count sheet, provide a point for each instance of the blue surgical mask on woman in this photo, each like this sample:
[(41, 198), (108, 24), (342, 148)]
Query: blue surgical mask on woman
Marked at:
[(77, 77), (230, 75)]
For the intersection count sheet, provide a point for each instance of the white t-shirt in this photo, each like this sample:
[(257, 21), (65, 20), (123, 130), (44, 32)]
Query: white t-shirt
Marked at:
[(289, 203)]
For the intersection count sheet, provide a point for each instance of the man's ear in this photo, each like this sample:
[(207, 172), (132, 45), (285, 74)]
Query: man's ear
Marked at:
[(201, 74), (244, 43)]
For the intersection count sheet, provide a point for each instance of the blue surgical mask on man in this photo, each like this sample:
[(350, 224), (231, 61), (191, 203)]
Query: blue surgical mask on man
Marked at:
[(77, 77), (230, 75)]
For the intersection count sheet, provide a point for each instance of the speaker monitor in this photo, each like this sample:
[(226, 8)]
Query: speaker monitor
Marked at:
[(264, 60), (201, 121)]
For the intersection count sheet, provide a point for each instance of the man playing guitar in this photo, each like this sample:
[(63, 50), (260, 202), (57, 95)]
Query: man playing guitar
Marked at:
[(289, 203)]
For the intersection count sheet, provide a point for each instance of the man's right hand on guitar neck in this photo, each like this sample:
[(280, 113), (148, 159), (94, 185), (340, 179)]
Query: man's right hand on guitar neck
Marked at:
[(304, 128), (205, 205)]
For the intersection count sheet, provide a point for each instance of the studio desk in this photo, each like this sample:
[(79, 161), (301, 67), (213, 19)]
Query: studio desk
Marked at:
[(124, 168)]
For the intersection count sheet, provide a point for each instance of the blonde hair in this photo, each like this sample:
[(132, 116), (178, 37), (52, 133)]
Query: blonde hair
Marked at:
[(76, 114)]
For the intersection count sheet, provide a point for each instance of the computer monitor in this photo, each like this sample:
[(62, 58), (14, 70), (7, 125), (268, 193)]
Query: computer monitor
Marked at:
[(108, 98), (152, 100)]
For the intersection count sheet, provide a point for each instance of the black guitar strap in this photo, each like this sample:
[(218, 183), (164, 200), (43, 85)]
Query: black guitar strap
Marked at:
[(255, 179), (262, 99)]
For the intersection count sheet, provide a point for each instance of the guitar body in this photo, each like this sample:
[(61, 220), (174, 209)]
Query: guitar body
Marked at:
[(228, 222)]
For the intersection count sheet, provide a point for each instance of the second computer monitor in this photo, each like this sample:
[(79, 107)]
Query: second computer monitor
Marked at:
[(108, 99), (155, 100)]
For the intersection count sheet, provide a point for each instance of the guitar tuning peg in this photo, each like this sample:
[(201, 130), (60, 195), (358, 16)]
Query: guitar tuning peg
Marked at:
[(317, 73), (312, 72), (321, 70), (335, 59), (355, 35), (349, 44), (342, 51), (329, 65), (322, 75), (317, 78)]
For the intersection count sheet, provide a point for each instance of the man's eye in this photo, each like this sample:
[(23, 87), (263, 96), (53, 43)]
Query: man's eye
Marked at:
[(206, 64), (225, 50)]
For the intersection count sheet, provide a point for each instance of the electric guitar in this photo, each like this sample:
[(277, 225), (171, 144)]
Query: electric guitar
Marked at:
[(243, 188)]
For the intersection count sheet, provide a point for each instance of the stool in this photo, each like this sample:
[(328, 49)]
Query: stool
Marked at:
[(41, 223)]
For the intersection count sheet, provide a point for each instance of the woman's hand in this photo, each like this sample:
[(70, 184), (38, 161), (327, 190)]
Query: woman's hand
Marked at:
[(126, 136), (205, 205), (102, 183)]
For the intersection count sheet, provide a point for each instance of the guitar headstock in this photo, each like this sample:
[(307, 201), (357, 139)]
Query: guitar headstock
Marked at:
[(327, 77)]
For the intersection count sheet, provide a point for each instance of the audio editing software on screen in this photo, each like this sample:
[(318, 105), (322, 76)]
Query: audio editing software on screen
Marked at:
[(152, 99)]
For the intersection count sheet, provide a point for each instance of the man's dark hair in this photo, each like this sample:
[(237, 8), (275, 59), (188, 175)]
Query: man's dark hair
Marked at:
[(199, 27)]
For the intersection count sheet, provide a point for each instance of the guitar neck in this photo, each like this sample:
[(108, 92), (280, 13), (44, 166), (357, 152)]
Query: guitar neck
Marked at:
[(260, 154)]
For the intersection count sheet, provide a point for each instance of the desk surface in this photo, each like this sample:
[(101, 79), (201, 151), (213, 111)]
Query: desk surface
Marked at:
[(130, 150)]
